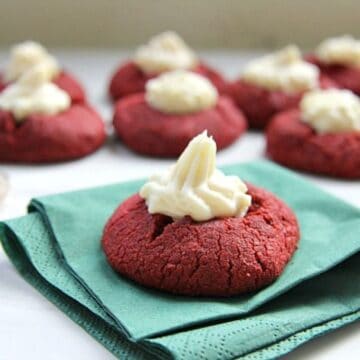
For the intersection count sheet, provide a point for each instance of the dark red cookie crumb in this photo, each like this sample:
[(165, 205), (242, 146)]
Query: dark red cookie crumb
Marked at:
[(260, 105), (71, 134), (220, 257), (129, 79), (64, 81), (345, 77), (295, 144), (151, 132)]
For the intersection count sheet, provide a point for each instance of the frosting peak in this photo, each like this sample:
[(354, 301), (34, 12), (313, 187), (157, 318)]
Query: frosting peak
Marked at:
[(284, 70), (165, 52), (180, 92), (34, 94), (331, 111), (26, 55), (343, 50), (194, 187)]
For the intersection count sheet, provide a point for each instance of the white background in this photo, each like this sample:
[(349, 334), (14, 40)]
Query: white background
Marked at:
[(32, 327)]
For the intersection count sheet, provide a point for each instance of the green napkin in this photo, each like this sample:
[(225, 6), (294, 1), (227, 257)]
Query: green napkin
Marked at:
[(57, 249)]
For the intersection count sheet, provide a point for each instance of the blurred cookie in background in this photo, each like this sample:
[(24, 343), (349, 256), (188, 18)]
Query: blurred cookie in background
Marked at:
[(164, 52)]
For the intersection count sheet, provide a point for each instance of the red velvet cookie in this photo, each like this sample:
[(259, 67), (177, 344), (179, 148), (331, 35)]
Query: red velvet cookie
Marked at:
[(71, 134), (130, 79), (219, 257), (64, 81), (344, 76), (259, 104), (151, 132), (295, 144)]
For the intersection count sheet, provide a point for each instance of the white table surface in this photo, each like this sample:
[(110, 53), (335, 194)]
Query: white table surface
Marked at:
[(30, 326)]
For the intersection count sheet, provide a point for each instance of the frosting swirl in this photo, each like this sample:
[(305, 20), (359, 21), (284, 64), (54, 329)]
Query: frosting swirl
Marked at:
[(34, 94), (26, 55), (194, 187), (165, 52), (343, 50), (180, 92), (284, 70), (331, 111)]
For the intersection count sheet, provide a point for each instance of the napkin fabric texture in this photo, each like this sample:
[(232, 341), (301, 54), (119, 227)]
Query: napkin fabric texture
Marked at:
[(57, 249)]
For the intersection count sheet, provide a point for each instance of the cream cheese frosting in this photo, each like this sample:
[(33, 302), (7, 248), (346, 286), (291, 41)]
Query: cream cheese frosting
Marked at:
[(34, 94), (343, 50), (284, 70), (180, 92), (26, 55), (331, 111), (194, 187), (165, 52)]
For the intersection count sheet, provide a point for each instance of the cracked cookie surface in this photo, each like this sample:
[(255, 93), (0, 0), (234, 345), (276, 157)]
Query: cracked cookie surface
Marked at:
[(220, 257)]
